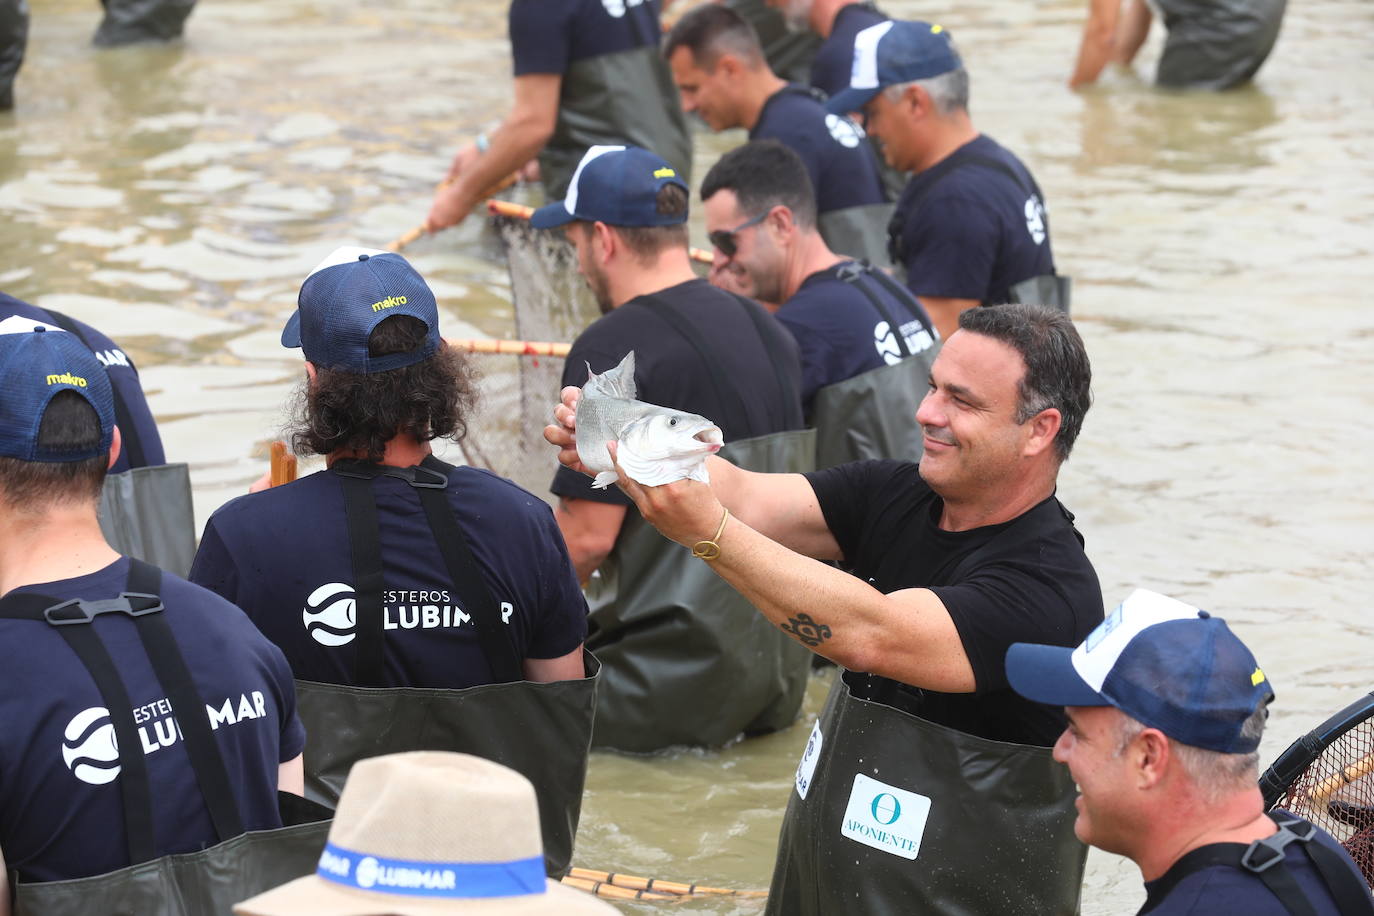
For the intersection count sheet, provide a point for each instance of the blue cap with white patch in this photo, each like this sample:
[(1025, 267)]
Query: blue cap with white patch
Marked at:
[(346, 296), (1160, 661), (891, 53), (36, 364), (616, 185)]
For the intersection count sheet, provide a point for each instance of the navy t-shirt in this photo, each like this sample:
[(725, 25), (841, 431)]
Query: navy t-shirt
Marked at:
[(1225, 889), (61, 813), (546, 36), (842, 334), (745, 397), (1038, 588), (283, 555), (839, 162), (969, 230), (143, 435), (834, 62)]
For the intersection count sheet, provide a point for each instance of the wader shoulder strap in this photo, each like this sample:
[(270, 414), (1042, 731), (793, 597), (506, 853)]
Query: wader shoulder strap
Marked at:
[(129, 439), (141, 602), (1265, 858), (492, 632), (365, 544), (714, 370), (768, 337), (853, 273), (430, 481)]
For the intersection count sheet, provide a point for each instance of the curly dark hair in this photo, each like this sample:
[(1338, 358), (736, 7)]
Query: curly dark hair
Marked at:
[(431, 399)]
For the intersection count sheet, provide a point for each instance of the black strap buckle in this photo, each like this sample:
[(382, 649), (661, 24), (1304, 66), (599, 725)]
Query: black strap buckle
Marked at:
[(418, 476), (79, 611), (1265, 853)]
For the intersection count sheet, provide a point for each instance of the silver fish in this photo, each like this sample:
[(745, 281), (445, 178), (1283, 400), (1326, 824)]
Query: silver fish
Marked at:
[(657, 445)]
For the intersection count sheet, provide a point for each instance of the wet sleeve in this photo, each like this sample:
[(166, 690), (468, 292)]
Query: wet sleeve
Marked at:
[(1001, 604), (562, 617), (540, 35), (949, 245), (846, 493), (214, 567)]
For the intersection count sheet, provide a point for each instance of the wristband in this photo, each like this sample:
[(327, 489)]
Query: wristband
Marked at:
[(482, 143), (710, 550)]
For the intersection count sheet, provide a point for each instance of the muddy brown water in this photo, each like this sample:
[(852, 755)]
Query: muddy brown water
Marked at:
[(1222, 246)]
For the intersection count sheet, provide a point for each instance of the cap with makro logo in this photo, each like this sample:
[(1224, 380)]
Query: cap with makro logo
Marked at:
[(891, 53), (1161, 662), (35, 365), (346, 296), (617, 185)]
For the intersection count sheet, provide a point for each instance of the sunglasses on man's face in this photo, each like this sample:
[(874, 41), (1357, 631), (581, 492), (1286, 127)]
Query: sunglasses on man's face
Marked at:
[(724, 239)]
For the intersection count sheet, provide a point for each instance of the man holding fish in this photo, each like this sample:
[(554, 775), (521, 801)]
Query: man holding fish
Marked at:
[(923, 752), (684, 661)]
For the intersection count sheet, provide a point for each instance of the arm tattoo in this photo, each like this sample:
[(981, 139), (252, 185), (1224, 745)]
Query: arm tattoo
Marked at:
[(806, 628)]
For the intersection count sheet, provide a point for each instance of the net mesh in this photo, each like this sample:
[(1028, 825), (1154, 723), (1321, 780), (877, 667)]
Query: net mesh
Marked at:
[(551, 303), (1336, 792)]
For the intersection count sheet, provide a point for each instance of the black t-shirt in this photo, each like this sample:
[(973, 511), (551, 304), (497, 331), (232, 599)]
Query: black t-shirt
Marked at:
[(842, 334), (546, 36), (968, 230), (1226, 889), (283, 555), (1039, 588), (838, 160), (61, 811), (834, 62), (123, 378), (747, 394)]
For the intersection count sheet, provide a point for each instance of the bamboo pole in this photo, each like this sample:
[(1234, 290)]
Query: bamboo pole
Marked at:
[(657, 885), (520, 211), (614, 892), (511, 347), (419, 230), (1333, 783)]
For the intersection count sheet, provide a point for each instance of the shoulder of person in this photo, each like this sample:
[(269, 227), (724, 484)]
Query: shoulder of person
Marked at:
[(508, 494), (246, 509)]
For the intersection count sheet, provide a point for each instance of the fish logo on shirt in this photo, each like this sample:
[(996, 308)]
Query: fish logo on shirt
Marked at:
[(844, 131), (330, 614), (89, 747)]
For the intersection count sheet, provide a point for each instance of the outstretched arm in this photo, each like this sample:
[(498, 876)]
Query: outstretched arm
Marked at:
[(908, 635), (1131, 31), (517, 140), (1095, 49)]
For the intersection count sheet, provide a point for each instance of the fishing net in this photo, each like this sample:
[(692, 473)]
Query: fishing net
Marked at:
[(1336, 792), (551, 303)]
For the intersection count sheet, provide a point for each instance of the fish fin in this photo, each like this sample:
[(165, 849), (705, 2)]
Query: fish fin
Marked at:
[(604, 480), (613, 383)]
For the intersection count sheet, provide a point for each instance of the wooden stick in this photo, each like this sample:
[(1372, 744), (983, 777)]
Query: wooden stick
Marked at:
[(1331, 784), (283, 464), (519, 211), (511, 347), (602, 889), (419, 230), (656, 885)]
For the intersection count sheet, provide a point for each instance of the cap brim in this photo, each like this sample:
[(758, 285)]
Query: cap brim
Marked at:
[(551, 216), (291, 334), (1046, 674), (850, 100), (318, 897)]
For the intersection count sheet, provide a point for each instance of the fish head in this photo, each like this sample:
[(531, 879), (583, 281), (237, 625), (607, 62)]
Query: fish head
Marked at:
[(668, 434)]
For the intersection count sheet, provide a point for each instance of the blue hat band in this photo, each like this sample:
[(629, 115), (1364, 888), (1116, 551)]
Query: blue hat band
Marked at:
[(445, 880)]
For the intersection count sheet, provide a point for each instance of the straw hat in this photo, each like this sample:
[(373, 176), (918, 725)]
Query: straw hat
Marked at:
[(429, 833)]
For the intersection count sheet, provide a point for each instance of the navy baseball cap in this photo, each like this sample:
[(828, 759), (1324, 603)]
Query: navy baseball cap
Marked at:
[(891, 53), (616, 185), (1161, 662), (35, 364), (347, 295)]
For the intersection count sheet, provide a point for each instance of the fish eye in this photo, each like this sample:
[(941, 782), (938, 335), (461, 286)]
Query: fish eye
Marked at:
[(672, 421)]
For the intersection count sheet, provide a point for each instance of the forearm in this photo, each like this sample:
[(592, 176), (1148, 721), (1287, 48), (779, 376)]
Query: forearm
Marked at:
[(1095, 48), (907, 636), (781, 507), (1131, 31), (517, 140)]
